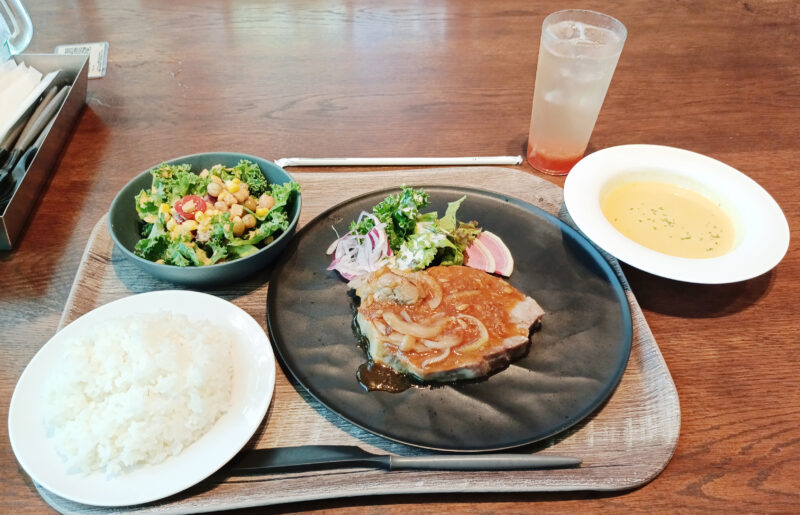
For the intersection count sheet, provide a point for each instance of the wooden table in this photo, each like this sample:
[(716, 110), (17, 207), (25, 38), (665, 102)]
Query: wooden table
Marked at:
[(451, 78)]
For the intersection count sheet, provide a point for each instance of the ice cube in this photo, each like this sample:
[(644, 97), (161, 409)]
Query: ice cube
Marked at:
[(599, 36), (566, 29)]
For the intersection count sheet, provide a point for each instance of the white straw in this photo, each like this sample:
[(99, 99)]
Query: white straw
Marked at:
[(397, 161)]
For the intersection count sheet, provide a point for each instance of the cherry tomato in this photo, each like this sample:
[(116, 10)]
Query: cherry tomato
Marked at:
[(199, 205)]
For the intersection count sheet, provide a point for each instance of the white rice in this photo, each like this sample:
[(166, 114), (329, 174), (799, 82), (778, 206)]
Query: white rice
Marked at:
[(137, 391)]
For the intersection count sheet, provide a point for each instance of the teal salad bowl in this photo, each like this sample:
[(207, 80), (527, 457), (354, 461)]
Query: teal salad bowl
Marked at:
[(125, 225)]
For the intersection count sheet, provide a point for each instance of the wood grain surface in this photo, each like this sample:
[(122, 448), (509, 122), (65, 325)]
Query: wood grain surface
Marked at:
[(374, 78), (624, 444)]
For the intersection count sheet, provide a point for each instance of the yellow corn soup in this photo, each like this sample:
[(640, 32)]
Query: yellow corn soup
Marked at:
[(669, 219)]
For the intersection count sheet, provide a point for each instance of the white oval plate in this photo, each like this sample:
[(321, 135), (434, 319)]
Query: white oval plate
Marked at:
[(253, 385), (762, 232)]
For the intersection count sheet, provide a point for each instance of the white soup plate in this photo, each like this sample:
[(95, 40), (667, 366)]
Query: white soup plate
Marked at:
[(762, 232)]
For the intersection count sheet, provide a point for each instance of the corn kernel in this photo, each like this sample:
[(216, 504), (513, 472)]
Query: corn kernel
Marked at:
[(188, 226), (164, 208), (198, 216), (232, 186), (171, 223), (262, 211)]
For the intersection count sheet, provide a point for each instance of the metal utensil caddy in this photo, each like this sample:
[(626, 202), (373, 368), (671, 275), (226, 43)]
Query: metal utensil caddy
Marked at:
[(74, 72)]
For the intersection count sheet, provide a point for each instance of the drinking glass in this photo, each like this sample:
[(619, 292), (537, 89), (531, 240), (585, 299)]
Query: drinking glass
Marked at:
[(16, 29), (578, 53)]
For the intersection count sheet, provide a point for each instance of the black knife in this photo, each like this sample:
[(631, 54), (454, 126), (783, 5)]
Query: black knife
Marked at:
[(314, 457)]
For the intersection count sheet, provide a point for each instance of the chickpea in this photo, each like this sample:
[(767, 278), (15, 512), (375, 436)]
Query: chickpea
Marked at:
[(237, 210), (204, 174), (221, 205), (238, 227), (241, 194), (266, 201), (230, 199), (251, 203), (249, 221), (216, 180), (214, 189)]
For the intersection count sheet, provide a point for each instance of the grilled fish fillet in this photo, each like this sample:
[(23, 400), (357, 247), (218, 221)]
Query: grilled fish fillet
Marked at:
[(445, 323)]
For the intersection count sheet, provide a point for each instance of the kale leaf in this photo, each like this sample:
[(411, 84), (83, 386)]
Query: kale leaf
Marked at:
[(399, 211), (250, 173)]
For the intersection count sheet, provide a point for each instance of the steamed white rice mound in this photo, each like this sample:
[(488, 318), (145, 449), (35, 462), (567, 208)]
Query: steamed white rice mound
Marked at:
[(136, 391)]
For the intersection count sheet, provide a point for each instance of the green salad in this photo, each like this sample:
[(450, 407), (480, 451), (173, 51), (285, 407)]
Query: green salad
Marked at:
[(421, 239), (398, 232), (220, 214)]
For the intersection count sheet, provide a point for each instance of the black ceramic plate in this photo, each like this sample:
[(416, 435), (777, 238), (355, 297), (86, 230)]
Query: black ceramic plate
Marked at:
[(575, 361)]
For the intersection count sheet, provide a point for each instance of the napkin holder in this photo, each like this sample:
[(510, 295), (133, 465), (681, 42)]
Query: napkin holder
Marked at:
[(74, 72)]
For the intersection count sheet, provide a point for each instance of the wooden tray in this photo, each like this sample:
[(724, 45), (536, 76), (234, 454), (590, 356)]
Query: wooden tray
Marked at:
[(624, 444)]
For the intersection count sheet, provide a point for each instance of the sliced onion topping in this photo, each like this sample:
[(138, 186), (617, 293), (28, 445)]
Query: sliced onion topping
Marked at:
[(357, 254), (436, 359), (414, 329), (480, 341)]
